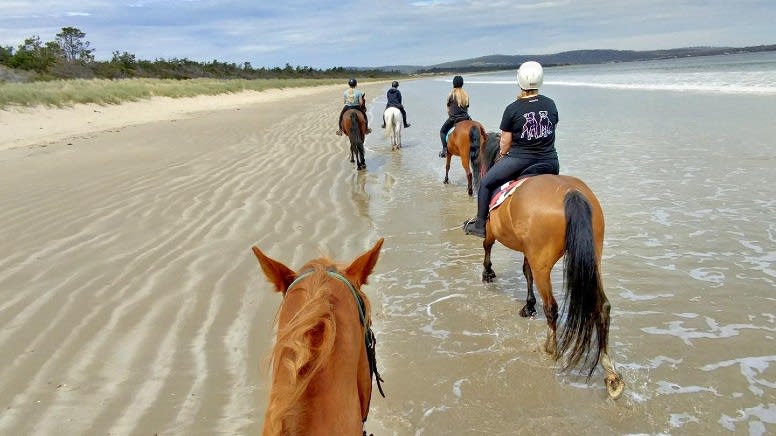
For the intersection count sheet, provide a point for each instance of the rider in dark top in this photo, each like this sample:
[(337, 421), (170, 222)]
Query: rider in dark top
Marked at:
[(527, 142), (457, 110), (394, 100)]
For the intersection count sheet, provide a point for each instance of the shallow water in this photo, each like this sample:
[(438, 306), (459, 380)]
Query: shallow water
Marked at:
[(686, 182)]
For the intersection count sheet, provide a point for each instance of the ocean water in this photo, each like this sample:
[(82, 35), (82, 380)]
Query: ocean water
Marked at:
[(681, 153)]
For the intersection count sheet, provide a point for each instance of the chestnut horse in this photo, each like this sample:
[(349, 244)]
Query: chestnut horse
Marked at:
[(323, 359), (546, 217), (354, 125), (465, 141)]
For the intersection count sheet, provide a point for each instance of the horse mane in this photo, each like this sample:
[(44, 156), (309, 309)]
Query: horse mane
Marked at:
[(304, 345), (487, 156)]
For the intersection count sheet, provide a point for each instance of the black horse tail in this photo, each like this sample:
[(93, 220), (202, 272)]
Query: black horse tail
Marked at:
[(585, 297), (474, 143), (354, 134)]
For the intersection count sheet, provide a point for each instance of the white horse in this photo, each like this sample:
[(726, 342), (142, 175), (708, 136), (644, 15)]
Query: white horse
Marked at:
[(393, 125)]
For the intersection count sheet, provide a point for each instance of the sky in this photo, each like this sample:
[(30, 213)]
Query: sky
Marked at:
[(325, 34)]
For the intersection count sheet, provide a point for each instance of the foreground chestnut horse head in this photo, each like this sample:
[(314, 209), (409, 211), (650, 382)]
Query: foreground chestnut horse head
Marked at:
[(465, 142), (549, 216), (323, 359)]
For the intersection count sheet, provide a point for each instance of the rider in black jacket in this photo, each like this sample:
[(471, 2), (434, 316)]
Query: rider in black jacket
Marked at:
[(394, 100)]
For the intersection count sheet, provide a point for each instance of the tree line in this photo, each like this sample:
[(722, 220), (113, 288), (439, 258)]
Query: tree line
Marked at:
[(71, 56)]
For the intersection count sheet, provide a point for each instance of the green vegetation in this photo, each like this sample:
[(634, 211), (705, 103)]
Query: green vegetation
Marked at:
[(64, 72), (101, 91)]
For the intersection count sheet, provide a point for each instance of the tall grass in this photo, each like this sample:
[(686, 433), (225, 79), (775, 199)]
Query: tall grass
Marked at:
[(63, 93)]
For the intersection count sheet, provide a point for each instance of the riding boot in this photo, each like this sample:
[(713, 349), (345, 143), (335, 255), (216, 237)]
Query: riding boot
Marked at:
[(475, 226), (443, 153)]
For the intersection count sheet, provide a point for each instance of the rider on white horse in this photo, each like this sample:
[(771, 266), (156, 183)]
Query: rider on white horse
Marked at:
[(394, 100)]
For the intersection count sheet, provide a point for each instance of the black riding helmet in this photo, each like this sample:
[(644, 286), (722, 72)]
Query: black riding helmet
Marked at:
[(457, 82), (395, 84), (352, 83)]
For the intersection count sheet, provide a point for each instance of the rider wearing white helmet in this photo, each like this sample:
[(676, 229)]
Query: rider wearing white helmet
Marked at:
[(527, 142)]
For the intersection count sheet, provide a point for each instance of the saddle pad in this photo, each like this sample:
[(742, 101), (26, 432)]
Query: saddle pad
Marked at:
[(449, 132), (504, 191)]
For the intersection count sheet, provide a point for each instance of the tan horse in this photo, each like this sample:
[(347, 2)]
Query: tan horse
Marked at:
[(354, 125), (465, 143), (323, 359), (547, 217)]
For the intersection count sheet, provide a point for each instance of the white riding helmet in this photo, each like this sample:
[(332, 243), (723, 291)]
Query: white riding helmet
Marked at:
[(530, 75)]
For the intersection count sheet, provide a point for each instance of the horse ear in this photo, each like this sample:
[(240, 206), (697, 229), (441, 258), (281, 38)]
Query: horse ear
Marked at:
[(359, 270), (278, 274)]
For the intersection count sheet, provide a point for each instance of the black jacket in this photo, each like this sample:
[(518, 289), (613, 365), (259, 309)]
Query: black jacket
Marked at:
[(394, 97)]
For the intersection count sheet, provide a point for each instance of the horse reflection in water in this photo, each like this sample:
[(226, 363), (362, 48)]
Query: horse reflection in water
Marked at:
[(324, 354), (546, 217)]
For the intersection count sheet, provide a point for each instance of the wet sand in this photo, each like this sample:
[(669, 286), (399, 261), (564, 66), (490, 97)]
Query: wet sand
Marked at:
[(130, 302)]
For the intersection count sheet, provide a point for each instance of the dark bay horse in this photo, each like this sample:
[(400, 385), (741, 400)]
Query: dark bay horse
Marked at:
[(465, 143), (546, 217), (323, 359), (354, 125)]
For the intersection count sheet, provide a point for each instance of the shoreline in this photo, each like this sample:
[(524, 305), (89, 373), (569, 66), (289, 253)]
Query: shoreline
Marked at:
[(41, 125)]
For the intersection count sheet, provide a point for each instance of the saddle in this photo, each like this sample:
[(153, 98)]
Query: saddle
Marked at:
[(504, 191)]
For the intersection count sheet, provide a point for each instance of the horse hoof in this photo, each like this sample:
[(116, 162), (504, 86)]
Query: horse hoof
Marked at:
[(614, 386), (527, 312), (488, 276), (352, 161)]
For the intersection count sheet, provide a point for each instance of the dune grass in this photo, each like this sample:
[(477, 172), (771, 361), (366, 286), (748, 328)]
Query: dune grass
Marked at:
[(63, 93)]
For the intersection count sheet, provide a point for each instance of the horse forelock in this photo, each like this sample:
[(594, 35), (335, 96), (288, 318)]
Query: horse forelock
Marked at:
[(304, 344)]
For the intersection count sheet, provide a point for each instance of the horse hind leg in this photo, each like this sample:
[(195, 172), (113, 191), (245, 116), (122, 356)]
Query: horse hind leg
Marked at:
[(360, 157), (529, 310)]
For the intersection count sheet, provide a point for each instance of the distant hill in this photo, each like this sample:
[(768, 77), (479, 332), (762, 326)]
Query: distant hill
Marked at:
[(576, 57)]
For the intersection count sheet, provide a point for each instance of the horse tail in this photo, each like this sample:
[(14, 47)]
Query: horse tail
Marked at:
[(302, 348), (354, 134), (474, 143), (584, 296)]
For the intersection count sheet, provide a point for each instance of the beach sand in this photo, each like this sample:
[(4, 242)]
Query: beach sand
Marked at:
[(130, 301)]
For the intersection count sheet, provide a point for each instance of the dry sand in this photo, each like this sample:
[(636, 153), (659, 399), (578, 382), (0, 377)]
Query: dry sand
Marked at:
[(130, 302)]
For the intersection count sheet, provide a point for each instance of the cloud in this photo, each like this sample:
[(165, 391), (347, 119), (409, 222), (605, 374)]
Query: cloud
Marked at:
[(329, 33)]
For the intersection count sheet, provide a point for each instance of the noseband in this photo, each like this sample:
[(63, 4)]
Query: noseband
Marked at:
[(369, 336)]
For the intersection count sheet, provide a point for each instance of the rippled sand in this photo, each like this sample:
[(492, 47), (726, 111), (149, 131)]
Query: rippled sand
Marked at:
[(130, 301)]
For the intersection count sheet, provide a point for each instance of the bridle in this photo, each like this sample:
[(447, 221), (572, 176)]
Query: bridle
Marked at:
[(369, 336)]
